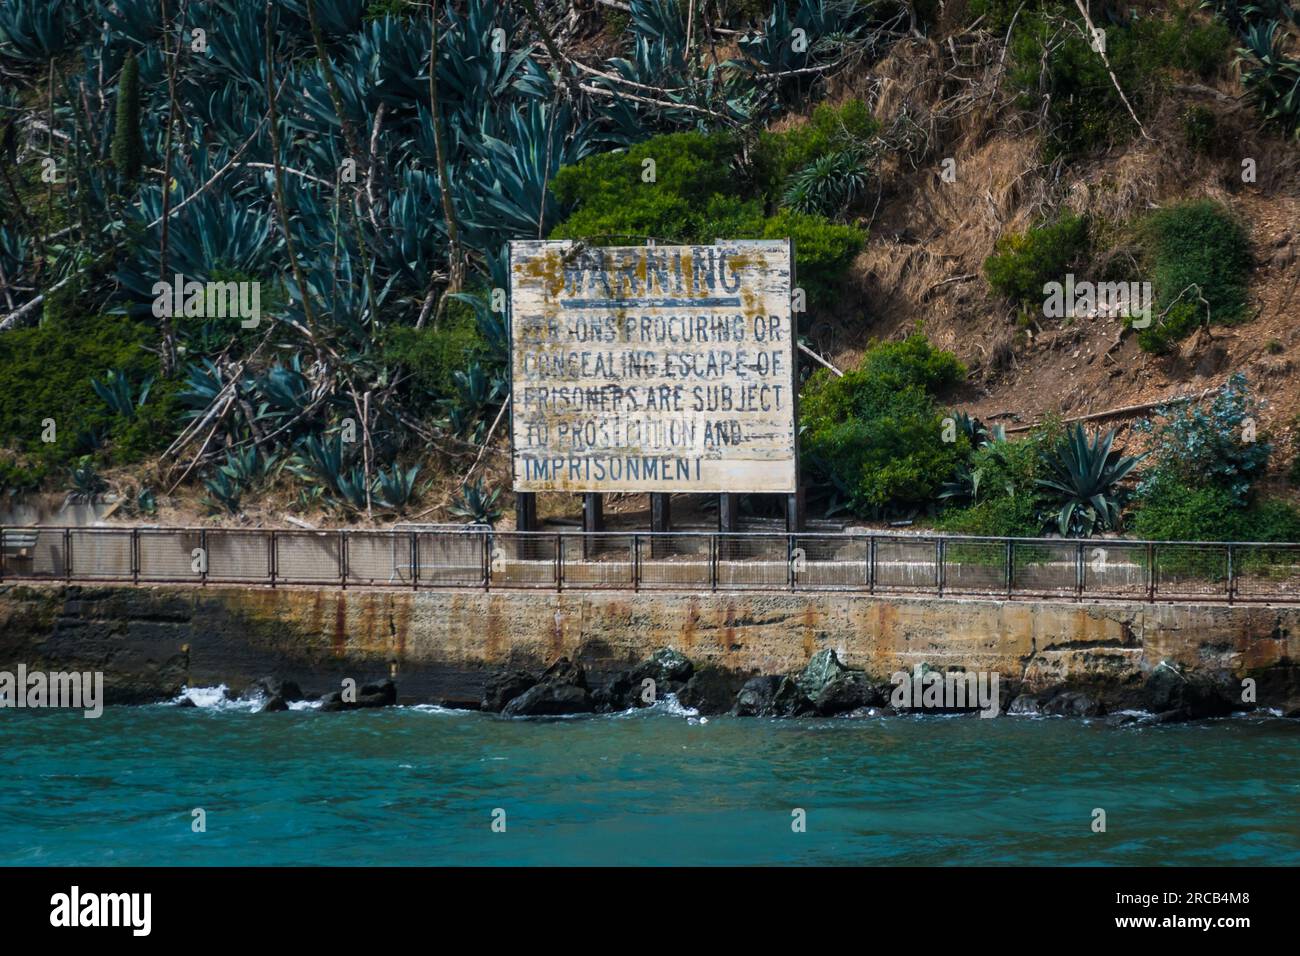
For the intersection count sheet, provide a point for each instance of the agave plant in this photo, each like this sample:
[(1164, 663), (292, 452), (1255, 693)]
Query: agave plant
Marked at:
[(476, 504), (86, 481), (394, 487), (1084, 477), (502, 192), (34, 31), (964, 488), (829, 185), (323, 461), (225, 489), (1273, 79), (118, 395)]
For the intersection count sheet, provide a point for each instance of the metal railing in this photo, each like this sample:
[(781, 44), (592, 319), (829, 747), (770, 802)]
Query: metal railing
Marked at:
[(477, 557)]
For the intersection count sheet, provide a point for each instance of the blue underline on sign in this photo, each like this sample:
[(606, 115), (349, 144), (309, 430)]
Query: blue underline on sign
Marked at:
[(733, 300)]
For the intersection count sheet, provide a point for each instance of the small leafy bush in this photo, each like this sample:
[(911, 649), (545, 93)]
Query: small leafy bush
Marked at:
[(1209, 447), (699, 194), (1194, 250), (1085, 110), (47, 371), (1014, 517), (1169, 509), (695, 183), (433, 356), (876, 434), (1023, 262)]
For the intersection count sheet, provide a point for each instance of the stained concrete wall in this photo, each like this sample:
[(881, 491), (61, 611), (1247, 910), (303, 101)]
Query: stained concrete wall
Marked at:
[(440, 645)]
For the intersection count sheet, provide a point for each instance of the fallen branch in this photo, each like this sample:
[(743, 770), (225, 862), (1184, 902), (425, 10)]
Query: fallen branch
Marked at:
[(1123, 410), (487, 441), (1101, 51), (817, 358)]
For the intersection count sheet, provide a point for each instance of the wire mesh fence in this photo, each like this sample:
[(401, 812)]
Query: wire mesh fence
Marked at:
[(478, 557)]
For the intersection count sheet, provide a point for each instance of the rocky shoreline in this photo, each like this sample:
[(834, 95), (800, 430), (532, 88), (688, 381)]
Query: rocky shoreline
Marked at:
[(825, 687)]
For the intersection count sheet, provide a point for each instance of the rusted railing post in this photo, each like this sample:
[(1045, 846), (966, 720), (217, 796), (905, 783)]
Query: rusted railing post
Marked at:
[(1151, 572), (67, 554), (1011, 559), (871, 564), (343, 559), (1078, 571), (415, 561), (1232, 577), (713, 561), (135, 555), (939, 554), (559, 561), (636, 562)]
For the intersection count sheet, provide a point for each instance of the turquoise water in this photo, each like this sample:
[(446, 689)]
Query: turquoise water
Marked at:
[(419, 786)]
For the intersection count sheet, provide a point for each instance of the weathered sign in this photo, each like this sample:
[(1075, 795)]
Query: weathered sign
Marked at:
[(652, 368)]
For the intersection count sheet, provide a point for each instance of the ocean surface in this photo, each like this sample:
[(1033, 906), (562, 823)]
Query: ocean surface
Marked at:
[(424, 785)]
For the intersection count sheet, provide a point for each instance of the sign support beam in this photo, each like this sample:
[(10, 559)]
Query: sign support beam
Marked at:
[(526, 511)]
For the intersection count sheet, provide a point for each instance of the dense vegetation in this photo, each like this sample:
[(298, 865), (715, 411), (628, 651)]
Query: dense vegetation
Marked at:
[(367, 179)]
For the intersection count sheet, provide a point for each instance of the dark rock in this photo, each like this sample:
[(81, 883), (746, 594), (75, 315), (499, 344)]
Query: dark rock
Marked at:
[(618, 694), (274, 705), (1291, 709), (790, 701), (1197, 695), (550, 699), (503, 687), (333, 701), (186, 702), (383, 694), (1073, 703), (771, 696), (669, 669), (564, 671), (755, 696), (823, 668), (711, 690), (848, 691), (274, 687)]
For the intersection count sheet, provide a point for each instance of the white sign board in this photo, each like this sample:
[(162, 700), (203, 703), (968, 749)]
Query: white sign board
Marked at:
[(652, 368)]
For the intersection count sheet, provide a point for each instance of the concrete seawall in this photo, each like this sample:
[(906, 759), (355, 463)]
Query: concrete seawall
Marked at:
[(441, 645)]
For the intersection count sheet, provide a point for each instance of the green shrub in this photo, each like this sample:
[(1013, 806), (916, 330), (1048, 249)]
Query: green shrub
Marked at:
[(692, 173), (831, 129), (1085, 111), (877, 433), (1194, 250), (46, 372), (1014, 517), (1200, 129), (433, 356), (822, 250), (1023, 262), (1173, 510), (912, 362), (698, 196), (1209, 447)]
